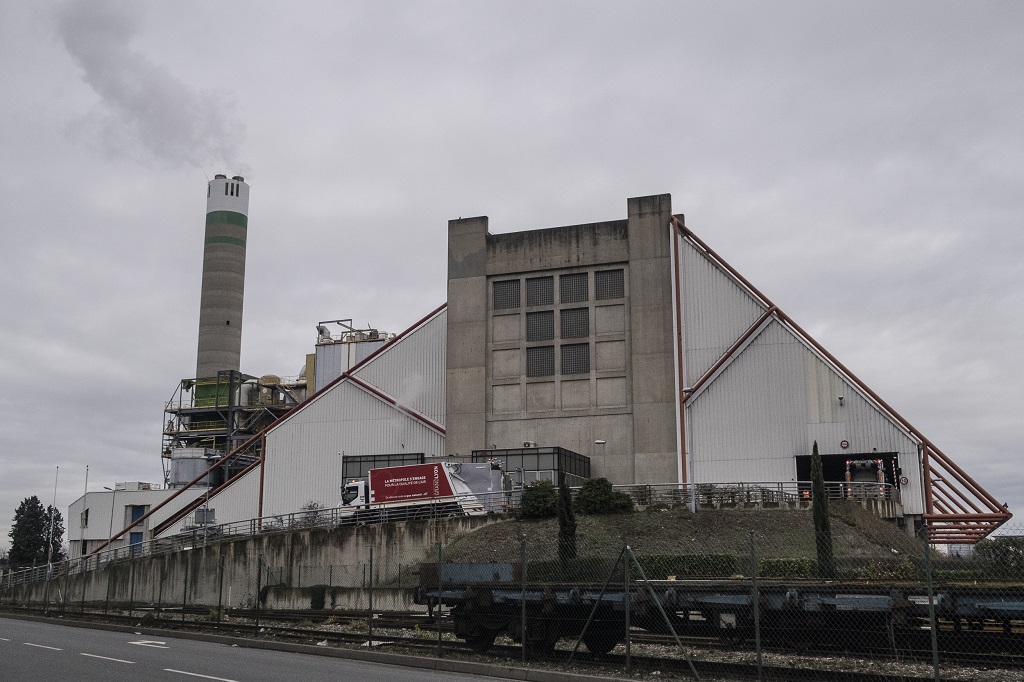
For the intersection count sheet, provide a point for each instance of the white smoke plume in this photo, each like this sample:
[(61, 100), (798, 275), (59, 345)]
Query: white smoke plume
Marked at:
[(145, 113)]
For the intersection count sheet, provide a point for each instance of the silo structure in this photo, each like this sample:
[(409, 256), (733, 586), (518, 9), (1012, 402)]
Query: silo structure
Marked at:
[(220, 309)]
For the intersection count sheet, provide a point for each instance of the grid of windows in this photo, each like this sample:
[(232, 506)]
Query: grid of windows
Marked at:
[(573, 288), (540, 361), (609, 284), (540, 291), (575, 323), (506, 294), (576, 358), (540, 326)]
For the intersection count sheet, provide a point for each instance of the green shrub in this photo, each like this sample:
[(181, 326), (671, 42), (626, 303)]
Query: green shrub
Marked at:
[(661, 566), (796, 567), (1001, 557), (597, 497), (539, 501), (891, 569)]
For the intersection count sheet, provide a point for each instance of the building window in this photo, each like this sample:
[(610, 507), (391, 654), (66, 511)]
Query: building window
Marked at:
[(576, 358), (540, 326), (540, 361), (85, 519), (506, 294), (137, 511), (573, 288), (540, 291), (609, 284), (575, 323)]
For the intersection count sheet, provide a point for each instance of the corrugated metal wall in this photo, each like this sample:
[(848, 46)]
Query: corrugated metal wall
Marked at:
[(774, 398), (412, 371), (716, 311), (304, 452), (237, 502), (749, 422)]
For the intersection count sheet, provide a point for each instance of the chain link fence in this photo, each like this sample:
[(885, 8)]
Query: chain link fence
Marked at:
[(633, 594)]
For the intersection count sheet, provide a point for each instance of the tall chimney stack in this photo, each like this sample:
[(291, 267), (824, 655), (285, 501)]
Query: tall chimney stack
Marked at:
[(220, 307)]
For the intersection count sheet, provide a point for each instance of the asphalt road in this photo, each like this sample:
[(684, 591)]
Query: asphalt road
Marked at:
[(31, 651)]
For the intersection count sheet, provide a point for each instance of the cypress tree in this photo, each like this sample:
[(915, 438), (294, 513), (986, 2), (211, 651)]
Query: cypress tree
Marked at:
[(822, 524), (28, 534)]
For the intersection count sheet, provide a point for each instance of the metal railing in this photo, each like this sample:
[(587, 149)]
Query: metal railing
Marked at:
[(767, 493)]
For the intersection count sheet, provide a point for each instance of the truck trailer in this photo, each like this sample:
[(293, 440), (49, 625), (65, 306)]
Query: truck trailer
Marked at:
[(429, 490)]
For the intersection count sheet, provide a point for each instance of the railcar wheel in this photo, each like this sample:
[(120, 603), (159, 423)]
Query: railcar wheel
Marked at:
[(600, 641), (481, 639), (541, 636)]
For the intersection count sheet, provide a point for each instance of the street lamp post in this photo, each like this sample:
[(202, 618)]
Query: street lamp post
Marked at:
[(113, 499)]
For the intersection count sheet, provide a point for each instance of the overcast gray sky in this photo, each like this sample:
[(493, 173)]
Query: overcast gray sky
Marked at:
[(860, 162)]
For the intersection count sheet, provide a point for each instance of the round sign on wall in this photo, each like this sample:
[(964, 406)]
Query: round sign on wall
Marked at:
[(844, 444), (904, 480)]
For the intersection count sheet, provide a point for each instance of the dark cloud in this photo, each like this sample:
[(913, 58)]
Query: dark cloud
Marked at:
[(144, 112)]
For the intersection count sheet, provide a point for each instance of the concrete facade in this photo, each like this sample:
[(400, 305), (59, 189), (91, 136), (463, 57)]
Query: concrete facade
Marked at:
[(564, 336)]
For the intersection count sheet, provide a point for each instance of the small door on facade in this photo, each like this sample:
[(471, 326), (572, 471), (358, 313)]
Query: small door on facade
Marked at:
[(135, 543)]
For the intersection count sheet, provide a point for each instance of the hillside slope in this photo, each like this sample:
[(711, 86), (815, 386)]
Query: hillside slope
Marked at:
[(857, 534)]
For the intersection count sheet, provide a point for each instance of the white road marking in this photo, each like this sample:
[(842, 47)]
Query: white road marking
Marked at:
[(4, 639), (152, 643), (42, 646), (205, 677), (108, 658)]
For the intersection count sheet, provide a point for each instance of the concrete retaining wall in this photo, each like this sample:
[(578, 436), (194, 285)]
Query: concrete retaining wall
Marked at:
[(314, 568)]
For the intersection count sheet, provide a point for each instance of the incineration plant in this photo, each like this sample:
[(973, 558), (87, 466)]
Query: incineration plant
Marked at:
[(627, 349)]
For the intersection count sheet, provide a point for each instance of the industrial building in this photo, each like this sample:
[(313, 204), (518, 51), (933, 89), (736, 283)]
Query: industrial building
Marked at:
[(628, 342)]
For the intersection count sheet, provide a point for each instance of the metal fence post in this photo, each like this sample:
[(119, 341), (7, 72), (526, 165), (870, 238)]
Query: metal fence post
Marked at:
[(184, 589), (106, 600), (522, 604), (67, 578), (160, 587), (756, 599), (131, 589), (220, 584), (932, 623), (369, 611), (626, 600), (259, 579), (85, 571), (440, 585)]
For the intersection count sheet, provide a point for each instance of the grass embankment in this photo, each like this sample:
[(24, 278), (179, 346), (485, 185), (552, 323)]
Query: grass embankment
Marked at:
[(859, 537)]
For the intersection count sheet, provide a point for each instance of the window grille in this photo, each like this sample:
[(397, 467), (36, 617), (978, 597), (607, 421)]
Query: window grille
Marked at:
[(540, 326), (540, 291), (576, 358), (540, 361), (609, 284), (575, 323), (573, 288), (506, 294)]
